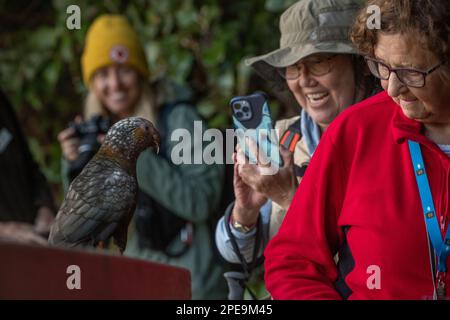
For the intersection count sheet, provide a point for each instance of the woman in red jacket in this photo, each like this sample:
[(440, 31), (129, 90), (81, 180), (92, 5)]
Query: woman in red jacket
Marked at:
[(377, 189)]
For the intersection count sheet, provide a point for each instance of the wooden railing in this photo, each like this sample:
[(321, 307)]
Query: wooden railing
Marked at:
[(35, 272)]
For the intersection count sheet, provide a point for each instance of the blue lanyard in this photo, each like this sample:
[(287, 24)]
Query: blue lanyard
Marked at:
[(441, 247)]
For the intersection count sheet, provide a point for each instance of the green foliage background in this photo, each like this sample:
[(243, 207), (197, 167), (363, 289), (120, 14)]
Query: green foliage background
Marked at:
[(202, 44)]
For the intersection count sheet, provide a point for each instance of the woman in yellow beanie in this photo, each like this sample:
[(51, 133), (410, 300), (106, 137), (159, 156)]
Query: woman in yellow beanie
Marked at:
[(179, 197)]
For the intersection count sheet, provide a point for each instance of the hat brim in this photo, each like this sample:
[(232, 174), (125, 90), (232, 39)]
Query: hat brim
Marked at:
[(266, 65)]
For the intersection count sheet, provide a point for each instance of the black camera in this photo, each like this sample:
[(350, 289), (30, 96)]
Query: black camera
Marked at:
[(87, 132)]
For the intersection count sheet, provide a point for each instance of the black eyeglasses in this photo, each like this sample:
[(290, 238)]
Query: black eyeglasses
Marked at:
[(317, 65), (408, 76)]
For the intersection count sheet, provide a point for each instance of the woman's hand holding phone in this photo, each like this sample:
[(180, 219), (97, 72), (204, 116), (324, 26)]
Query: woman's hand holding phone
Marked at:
[(252, 119), (264, 175), (248, 202), (279, 186)]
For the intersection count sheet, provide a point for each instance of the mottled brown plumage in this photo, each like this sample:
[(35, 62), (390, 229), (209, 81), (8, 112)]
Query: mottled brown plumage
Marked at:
[(101, 199)]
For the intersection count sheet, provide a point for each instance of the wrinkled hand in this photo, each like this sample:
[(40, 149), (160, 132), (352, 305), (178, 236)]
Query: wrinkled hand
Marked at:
[(20, 232), (279, 186), (248, 201), (44, 220)]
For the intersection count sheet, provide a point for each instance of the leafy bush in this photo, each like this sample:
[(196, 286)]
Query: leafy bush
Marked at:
[(198, 43)]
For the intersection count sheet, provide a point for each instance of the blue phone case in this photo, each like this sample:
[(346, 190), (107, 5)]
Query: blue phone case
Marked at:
[(257, 125)]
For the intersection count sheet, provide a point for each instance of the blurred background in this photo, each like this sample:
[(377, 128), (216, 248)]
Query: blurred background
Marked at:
[(201, 44)]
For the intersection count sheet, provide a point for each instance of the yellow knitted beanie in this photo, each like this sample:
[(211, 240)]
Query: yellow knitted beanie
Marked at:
[(109, 40)]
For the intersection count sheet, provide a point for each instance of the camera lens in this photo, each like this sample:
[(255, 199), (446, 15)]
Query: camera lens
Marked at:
[(237, 106), (239, 114), (245, 109)]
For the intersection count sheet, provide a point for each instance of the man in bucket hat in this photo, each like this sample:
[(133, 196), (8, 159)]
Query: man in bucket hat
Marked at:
[(318, 64)]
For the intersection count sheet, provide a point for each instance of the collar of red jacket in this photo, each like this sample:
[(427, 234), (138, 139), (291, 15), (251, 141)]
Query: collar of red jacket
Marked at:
[(404, 129)]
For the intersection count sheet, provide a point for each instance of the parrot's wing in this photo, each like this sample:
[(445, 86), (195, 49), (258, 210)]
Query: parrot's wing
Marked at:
[(96, 202)]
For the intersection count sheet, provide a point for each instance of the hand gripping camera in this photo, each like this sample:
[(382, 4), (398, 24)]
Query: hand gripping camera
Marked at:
[(88, 133)]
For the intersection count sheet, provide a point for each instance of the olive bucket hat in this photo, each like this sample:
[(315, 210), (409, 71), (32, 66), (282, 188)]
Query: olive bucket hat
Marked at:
[(309, 27)]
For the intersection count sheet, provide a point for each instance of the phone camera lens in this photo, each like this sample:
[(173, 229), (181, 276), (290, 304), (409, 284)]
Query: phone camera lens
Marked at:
[(239, 114), (245, 109), (237, 106)]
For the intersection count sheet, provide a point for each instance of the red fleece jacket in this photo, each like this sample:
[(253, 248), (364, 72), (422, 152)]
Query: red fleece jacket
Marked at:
[(361, 180)]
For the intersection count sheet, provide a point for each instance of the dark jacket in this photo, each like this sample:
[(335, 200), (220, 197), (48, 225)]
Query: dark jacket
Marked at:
[(23, 188)]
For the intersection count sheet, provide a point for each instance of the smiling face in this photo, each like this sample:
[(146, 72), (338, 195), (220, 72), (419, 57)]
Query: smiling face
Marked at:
[(118, 89), (430, 104), (324, 97)]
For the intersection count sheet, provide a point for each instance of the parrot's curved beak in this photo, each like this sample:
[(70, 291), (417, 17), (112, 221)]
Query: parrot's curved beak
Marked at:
[(153, 138), (156, 141)]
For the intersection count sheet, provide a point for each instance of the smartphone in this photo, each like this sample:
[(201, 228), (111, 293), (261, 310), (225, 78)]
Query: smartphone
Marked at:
[(252, 120)]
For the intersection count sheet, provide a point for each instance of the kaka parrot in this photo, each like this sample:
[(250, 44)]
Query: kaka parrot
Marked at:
[(101, 200)]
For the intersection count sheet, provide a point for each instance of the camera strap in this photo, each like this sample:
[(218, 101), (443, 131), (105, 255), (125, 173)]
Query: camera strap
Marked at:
[(441, 246), (247, 268)]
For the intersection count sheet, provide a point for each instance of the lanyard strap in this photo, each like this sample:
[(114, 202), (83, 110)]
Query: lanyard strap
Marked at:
[(441, 248)]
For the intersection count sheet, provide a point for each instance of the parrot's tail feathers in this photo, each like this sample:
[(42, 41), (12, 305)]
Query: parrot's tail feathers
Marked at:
[(106, 233)]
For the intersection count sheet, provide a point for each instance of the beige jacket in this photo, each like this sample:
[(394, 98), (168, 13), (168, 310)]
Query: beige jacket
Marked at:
[(301, 157)]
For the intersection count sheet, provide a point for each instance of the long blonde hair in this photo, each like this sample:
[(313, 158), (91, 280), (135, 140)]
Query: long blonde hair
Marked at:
[(145, 108)]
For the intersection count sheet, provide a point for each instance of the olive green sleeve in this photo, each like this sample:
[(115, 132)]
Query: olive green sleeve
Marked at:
[(191, 191)]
